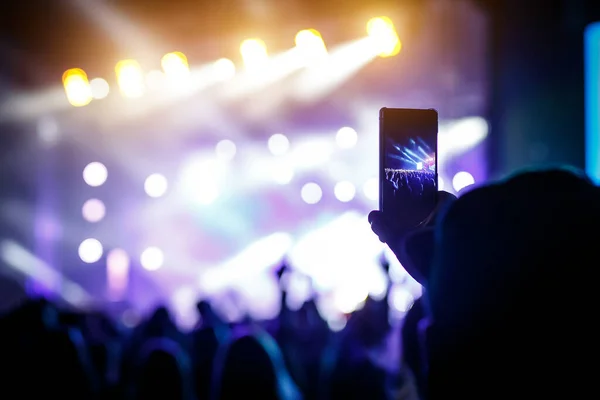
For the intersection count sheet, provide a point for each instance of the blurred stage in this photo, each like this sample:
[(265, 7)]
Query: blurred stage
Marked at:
[(195, 178)]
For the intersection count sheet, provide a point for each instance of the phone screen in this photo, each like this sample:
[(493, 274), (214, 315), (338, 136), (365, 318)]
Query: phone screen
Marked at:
[(408, 164)]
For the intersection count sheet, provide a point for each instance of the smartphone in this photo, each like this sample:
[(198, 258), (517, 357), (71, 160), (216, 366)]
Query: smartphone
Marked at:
[(408, 179)]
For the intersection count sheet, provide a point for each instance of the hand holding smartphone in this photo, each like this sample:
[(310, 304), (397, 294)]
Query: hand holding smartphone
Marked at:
[(408, 178)]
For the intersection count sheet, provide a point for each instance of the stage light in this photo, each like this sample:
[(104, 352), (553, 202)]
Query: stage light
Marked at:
[(311, 44), (95, 174), (175, 65), (344, 191), (93, 210), (152, 258), (156, 185), (130, 78), (100, 88), (117, 260), (311, 193), (117, 273), (90, 251), (77, 87), (278, 144), (254, 53), (346, 137), (371, 189), (461, 180), (225, 150), (224, 69), (383, 34)]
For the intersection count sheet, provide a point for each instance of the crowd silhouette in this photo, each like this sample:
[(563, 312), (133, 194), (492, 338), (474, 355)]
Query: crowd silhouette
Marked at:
[(508, 311)]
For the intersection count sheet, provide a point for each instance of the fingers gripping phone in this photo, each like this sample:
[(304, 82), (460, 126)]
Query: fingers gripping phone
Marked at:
[(408, 179)]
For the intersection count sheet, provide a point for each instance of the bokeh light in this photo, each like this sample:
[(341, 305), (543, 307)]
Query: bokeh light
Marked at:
[(254, 53), (90, 251), (344, 191), (311, 45), (93, 210), (152, 258), (461, 180), (100, 88), (77, 87), (224, 69), (95, 174), (346, 138), (130, 78), (278, 144), (156, 185), (225, 150), (117, 260), (311, 193), (383, 34), (175, 65)]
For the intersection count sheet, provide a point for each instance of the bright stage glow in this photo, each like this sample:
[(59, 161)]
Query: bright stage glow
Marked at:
[(278, 144), (95, 174), (100, 88), (371, 189), (155, 79), (225, 150), (130, 78), (311, 45), (383, 34), (344, 191), (156, 185), (224, 69), (254, 53), (311, 193), (90, 251), (441, 183), (461, 180), (93, 210), (200, 179), (346, 138), (152, 258), (117, 273), (283, 174), (77, 87), (175, 65)]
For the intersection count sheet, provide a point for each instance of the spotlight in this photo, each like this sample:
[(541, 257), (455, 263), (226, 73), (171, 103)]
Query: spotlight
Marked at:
[(77, 87), (383, 33), (254, 53), (175, 65), (311, 44), (130, 78), (224, 69)]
